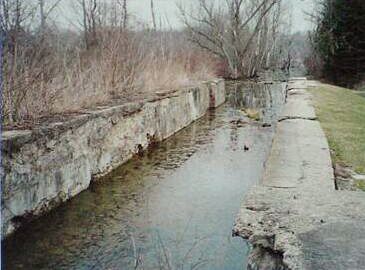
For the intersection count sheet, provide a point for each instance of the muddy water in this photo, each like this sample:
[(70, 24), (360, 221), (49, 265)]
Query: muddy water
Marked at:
[(172, 208)]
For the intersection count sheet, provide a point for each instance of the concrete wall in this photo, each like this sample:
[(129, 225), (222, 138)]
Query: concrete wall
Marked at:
[(50, 164)]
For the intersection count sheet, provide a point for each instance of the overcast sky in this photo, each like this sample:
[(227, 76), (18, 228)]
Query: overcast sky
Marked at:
[(167, 11)]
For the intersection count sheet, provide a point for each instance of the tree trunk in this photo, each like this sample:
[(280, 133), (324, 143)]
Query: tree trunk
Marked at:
[(125, 15), (43, 16), (153, 16), (84, 18)]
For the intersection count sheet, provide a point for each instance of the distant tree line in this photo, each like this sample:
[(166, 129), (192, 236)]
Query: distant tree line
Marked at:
[(338, 42), (108, 55)]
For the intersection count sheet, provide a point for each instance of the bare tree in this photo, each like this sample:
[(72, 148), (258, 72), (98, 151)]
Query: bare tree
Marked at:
[(154, 25), (48, 71), (124, 14), (26, 57), (98, 15), (44, 13), (229, 33), (266, 40), (13, 14), (90, 20), (113, 13), (276, 22)]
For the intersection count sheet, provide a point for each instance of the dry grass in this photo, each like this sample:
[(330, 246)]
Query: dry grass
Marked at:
[(56, 76)]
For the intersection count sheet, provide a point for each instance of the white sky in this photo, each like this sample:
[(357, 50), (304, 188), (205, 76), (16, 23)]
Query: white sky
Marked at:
[(168, 13)]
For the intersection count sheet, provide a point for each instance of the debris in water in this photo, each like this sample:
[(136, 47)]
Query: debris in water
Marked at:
[(252, 113), (238, 123)]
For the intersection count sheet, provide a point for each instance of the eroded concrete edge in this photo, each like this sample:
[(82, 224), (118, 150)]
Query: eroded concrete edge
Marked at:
[(297, 200), (53, 163)]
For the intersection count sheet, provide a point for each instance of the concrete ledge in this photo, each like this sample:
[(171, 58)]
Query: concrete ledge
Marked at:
[(295, 219), (297, 106), (50, 164)]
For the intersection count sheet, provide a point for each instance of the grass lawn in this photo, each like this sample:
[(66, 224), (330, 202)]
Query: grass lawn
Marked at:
[(342, 115), (361, 93)]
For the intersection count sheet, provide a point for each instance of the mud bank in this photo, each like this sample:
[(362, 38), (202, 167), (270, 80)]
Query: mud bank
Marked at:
[(51, 164), (295, 219)]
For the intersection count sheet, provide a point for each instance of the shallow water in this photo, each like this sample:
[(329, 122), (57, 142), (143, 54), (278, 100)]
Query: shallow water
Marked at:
[(172, 208)]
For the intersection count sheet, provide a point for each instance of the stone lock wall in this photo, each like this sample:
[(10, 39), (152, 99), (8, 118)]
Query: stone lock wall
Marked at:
[(50, 164)]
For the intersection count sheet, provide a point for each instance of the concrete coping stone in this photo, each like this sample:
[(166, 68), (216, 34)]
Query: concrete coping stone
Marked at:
[(22, 136)]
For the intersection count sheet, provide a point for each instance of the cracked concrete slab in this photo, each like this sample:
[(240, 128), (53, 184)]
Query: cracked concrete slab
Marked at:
[(296, 214), (298, 83), (298, 106), (331, 246), (301, 150)]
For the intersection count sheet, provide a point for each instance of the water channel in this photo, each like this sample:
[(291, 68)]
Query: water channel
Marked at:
[(172, 208)]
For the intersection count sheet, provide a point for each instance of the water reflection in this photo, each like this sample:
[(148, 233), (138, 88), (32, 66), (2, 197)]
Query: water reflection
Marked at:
[(267, 98), (172, 208)]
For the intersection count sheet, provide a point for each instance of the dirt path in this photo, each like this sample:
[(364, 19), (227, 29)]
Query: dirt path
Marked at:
[(296, 219)]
